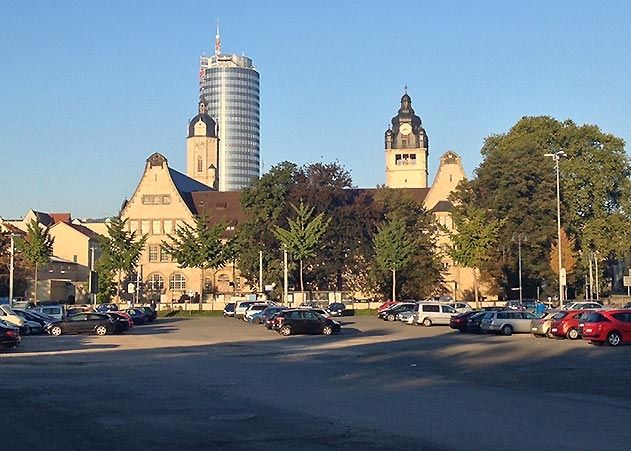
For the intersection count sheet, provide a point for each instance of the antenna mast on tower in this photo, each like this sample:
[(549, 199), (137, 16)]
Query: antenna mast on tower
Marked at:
[(217, 41)]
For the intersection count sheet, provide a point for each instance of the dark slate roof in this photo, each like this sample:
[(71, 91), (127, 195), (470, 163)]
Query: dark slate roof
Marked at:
[(211, 127), (186, 186), (443, 206), (220, 206), (83, 229)]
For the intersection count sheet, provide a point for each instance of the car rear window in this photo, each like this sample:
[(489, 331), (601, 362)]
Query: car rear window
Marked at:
[(624, 317), (560, 315)]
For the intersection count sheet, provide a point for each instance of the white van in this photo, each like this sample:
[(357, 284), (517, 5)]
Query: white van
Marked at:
[(9, 316), (429, 313), (54, 311)]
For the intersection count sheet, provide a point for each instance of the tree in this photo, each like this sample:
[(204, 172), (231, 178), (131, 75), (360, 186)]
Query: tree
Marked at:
[(518, 185), (200, 247), (473, 239), (36, 247), (393, 248), (303, 235), (120, 250), (568, 260)]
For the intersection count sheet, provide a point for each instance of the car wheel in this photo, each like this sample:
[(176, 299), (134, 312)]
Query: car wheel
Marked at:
[(549, 334), (506, 330), (391, 317), (27, 330), (427, 322), (327, 330), (56, 331), (101, 330), (285, 330), (572, 334), (256, 321), (614, 338)]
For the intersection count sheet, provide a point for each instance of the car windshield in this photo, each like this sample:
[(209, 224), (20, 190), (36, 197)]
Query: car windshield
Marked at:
[(560, 315)]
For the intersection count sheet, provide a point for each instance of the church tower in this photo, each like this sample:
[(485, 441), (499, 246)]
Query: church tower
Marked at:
[(202, 148), (407, 149)]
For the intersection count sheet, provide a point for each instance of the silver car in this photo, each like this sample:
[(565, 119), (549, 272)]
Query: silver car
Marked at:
[(540, 326), (507, 322)]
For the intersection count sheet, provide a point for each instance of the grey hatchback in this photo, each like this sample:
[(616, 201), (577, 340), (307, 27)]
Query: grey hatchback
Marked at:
[(507, 322)]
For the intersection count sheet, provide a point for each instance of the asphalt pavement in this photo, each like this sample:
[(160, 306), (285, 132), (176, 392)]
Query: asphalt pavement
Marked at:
[(218, 383)]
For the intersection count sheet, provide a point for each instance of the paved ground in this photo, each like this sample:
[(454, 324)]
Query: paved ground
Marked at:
[(215, 383)]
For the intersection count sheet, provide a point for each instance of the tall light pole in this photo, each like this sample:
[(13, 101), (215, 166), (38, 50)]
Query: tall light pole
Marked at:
[(596, 263), (11, 264), (519, 237), (261, 272), (556, 157), (285, 288)]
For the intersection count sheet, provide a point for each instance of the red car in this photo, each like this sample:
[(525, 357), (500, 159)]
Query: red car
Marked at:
[(386, 305), (610, 326), (565, 324)]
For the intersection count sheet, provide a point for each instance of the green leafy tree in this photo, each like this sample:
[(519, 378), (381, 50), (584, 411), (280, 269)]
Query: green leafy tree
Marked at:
[(518, 185), (393, 248), (473, 239), (36, 247), (199, 246), (120, 250), (303, 235)]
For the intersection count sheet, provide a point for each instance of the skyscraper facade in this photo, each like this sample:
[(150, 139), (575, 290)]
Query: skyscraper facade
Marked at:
[(230, 86)]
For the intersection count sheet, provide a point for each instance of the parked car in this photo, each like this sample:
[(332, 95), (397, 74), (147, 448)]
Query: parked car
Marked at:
[(270, 321), (608, 326), (459, 321), (386, 305), (266, 314), (254, 308), (507, 322), (540, 326), (107, 307), (228, 310), (9, 336), (150, 313), (429, 313), (9, 316), (122, 321), (127, 317), (302, 321), (460, 307), (241, 307), (82, 323), (32, 324), (566, 323), (583, 305), (138, 316), (473, 322), (338, 309), (405, 316), (78, 309), (54, 311), (391, 313)]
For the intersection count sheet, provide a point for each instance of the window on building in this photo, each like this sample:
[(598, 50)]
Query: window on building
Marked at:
[(200, 164), (153, 253), (167, 226), (165, 257), (155, 282), (155, 227), (177, 281), (144, 227)]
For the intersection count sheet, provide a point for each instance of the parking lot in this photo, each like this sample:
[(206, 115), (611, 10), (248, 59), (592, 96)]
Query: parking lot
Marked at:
[(218, 383)]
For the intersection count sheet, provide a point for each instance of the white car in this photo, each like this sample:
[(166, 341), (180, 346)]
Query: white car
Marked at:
[(429, 313), (254, 308), (54, 311), (10, 317), (461, 307), (583, 305), (507, 322)]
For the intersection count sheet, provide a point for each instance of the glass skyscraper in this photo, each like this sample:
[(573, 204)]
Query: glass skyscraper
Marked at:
[(230, 85)]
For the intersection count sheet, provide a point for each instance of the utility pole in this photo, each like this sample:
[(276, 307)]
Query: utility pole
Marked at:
[(596, 263), (92, 294), (519, 237), (11, 263), (261, 271), (591, 277), (556, 157), (285, 288)]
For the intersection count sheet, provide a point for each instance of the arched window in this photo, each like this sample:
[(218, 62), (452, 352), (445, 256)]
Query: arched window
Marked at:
[(200, 164), (177, 281), (155, 282)]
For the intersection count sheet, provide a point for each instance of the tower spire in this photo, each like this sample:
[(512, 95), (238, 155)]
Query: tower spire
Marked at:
[(217, 41)]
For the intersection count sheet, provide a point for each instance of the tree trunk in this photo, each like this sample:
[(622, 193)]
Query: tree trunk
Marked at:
[(394, 285), (302, 286), (118, 287), (10, 300), (475, 288), (201, 291)]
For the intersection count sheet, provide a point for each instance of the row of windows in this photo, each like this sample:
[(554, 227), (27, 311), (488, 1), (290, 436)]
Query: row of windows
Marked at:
[(219, 74), (157, 253), (251, 109), (232, 94), (245, 144), (403, 159), (248, 115), (155, 226), (241, 132)]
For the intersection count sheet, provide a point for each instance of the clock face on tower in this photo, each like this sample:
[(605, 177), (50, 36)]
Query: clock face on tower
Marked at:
[(405, 129)]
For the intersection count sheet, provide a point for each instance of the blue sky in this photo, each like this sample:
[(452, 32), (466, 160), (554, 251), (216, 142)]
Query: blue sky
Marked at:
[(88, 90)]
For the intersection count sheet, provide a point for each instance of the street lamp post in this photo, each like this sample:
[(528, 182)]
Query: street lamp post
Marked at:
[(519, 237), (556, 157), (11, 267)]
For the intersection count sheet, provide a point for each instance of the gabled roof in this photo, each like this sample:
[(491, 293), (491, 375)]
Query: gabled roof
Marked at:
[(220, 206), (83, 229), (186, 186), (443, 206)]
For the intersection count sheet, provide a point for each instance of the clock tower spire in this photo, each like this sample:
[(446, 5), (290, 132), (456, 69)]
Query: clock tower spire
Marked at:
[(407, 149)]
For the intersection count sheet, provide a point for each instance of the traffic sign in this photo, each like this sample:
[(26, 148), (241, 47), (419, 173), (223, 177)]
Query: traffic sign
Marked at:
[(626, 281)]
